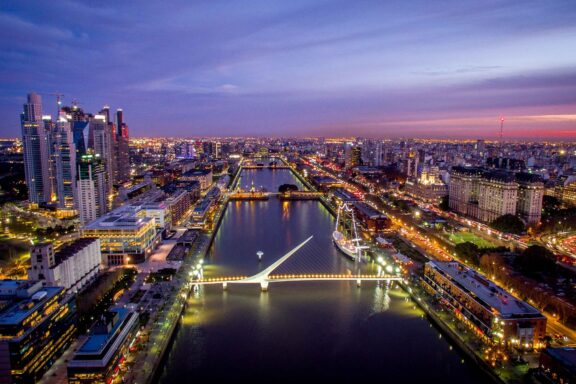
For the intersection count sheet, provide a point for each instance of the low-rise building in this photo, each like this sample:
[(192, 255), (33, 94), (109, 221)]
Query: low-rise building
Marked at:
[(126, 235), (73, 266), (97, 360), (485, 307), (36, 325)]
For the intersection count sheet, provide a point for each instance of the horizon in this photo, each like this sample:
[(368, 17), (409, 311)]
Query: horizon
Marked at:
[(449, 70)]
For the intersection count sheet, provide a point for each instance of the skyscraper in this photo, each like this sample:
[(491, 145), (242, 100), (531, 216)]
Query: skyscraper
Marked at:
[(35, 140), (122, 156), (92, 188)]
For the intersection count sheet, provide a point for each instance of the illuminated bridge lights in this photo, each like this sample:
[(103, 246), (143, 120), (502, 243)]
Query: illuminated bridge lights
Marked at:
[(298, 277)]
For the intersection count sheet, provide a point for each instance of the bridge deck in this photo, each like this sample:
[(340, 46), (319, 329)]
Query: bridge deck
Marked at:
[(294, 278)]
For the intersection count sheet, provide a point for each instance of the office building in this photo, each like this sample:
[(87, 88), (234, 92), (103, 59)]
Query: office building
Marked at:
[(36, 325), (92, 189), (98, 358), (72, 266), (489, 310)]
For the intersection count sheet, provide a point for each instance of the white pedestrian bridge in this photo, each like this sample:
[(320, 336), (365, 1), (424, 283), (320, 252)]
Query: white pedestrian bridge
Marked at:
[(265, 277)]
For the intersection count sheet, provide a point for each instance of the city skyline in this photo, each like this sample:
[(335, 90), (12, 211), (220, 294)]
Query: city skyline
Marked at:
[(300, 69)]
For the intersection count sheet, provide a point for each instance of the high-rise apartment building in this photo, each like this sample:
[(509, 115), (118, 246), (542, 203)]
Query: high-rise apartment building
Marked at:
[(36, 142)]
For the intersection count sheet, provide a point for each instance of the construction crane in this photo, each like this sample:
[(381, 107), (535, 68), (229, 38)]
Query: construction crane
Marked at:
[(59, 97)]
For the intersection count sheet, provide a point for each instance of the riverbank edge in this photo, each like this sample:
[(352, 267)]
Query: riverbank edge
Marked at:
[(453, 336)]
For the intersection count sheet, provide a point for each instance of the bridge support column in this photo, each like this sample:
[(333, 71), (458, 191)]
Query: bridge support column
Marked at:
[(358, 283), (264, 286), (224, 286)]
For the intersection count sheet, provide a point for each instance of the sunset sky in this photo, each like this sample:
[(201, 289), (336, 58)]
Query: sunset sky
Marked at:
[(299, 68)]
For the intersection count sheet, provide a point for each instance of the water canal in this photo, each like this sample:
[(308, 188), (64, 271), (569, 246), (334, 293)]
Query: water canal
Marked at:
[(301, 332)]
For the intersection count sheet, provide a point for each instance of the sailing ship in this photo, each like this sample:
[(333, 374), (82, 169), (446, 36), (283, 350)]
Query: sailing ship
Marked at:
[(347, 241)]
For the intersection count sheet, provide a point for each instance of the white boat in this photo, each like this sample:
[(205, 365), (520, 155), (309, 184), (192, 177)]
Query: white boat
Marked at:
[(350, 247)]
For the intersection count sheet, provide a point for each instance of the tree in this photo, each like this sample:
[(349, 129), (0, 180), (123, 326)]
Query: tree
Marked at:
[(468, 251), (287, 188), (444, 204), (509, 223), (536, 260)]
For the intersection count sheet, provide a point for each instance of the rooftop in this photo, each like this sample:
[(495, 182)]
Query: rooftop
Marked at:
[(20, 309), (484, 290)]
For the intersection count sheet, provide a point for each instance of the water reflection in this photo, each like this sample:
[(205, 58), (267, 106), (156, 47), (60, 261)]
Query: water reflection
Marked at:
[(308, 331)]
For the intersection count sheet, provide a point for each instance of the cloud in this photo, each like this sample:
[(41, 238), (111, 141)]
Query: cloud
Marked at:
[(298, 66)]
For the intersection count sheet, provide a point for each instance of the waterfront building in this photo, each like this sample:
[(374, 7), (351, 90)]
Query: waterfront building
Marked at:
[(203, 176), (98, 359), (558, 365), (492, 312), (72, 266), (36, 143), (36, 325), (92, 189), (126, 235)]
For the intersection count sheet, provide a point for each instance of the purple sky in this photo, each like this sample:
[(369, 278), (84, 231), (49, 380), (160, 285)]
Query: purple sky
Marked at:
[(368, 68)]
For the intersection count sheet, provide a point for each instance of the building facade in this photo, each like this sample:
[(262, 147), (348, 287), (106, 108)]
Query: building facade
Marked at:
[(73, 266)]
